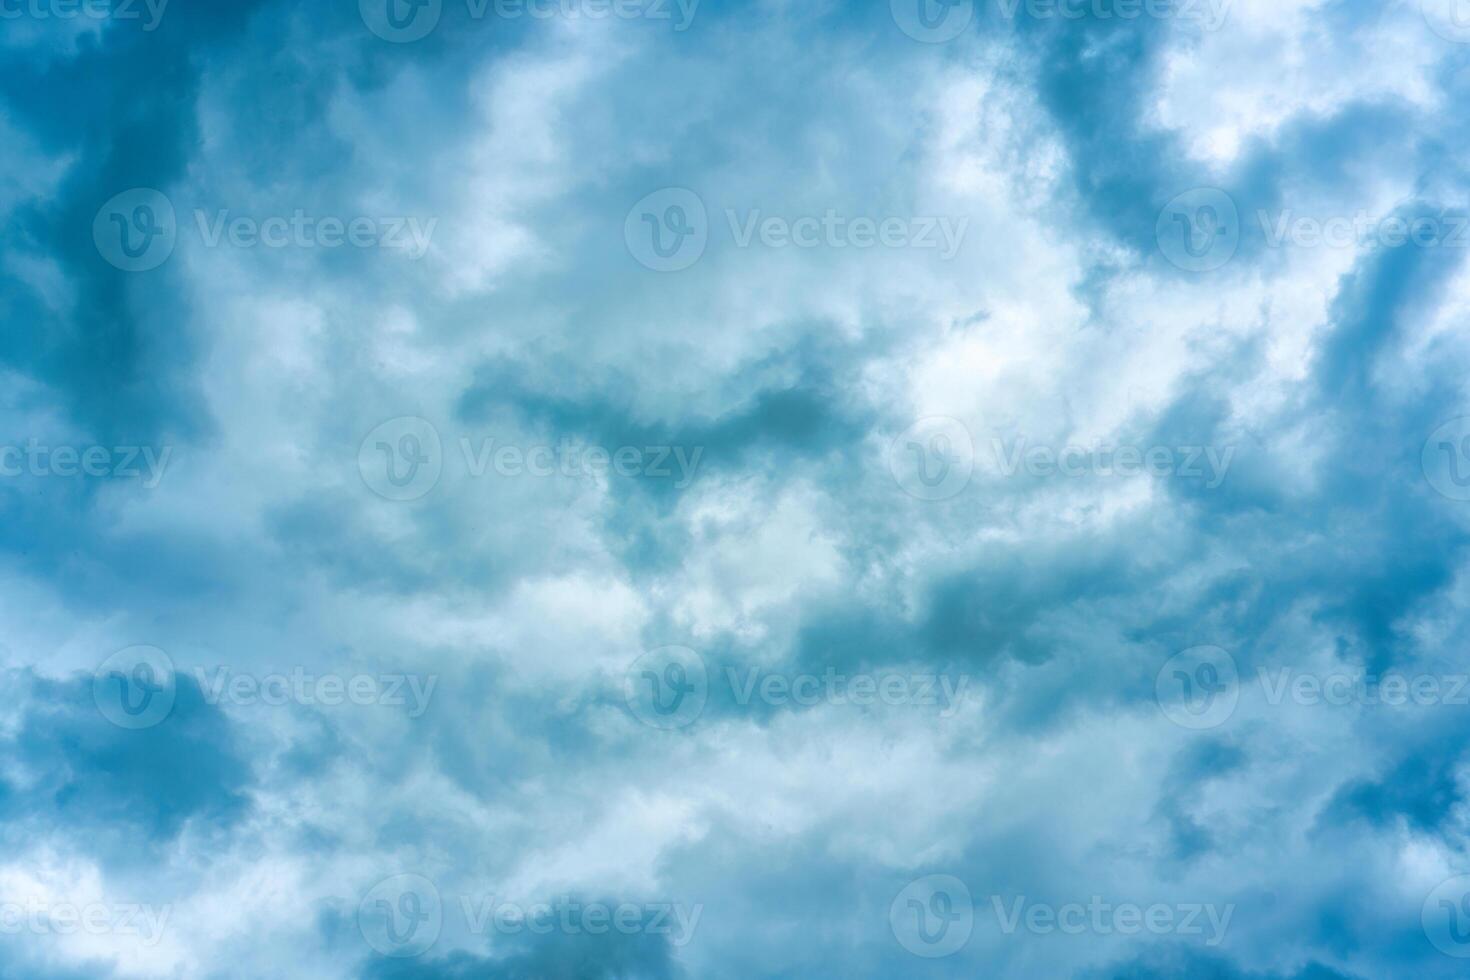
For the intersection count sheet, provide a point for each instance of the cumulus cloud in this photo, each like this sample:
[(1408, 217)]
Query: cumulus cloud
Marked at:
[(757, 490)]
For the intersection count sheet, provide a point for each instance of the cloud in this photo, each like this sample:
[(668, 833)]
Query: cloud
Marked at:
[(768, 394)]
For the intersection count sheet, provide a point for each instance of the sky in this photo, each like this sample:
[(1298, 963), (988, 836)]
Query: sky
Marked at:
[(666, 489)]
